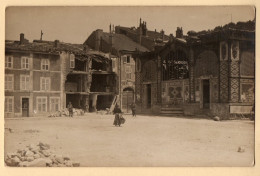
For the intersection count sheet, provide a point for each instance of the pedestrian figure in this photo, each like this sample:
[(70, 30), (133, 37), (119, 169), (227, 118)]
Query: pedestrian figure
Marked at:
[(70, 109), (133, 109), (117, 111)]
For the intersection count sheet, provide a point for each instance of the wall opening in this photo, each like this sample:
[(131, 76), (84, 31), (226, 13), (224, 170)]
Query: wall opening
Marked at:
[(127, 99), (149, 96), (175, 66), (25, 107)]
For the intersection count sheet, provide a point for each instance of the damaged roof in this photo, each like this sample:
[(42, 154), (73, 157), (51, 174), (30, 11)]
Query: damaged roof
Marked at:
[(123, 43), (54, 47)]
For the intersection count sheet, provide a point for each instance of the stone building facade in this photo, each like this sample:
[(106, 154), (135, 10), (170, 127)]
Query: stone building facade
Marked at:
[(41, 77), (209, 73)]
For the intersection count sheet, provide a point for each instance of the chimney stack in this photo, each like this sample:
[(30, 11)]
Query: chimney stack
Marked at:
[(110, 31), (21, 38), (162, 35), (56, 43), (171, 37), (179, 32), (98, 34)]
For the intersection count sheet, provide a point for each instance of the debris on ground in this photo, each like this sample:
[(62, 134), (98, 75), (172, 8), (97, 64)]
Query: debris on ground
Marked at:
[(38, 156), (31, 131), (65, 112), (241, 149), (9, 130), (104, 112), (216, 118)]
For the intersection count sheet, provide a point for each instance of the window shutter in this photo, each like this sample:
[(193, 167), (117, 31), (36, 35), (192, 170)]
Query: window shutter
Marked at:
[(41, 84), (47, 83), (27, 82)]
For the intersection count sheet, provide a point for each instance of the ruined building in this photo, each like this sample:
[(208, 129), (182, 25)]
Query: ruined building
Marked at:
[(43, 76), (120, 48)]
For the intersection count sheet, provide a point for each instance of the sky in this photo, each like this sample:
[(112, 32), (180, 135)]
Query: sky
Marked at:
[(75, 24)]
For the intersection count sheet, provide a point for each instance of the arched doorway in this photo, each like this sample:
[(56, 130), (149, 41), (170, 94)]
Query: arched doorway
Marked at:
[(127, 98)]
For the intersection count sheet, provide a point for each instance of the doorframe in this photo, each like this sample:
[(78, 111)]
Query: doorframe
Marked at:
[(21, 105), (201, 92), (148, 106)]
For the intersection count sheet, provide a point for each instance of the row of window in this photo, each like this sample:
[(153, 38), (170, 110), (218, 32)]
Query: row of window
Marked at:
[(25, 82), (45, 63), (41, 104)]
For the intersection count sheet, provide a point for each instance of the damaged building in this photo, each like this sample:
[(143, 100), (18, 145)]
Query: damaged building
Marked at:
[(203, 73), (42, 77), (122, 43), (120, 49)]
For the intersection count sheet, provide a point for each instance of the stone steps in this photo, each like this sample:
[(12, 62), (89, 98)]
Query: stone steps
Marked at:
[(171, 111)]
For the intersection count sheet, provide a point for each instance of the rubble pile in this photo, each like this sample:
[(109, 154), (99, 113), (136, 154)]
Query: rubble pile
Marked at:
[(65, 112), (38, 156)]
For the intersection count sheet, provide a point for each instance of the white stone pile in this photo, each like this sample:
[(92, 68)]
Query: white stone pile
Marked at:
[(38, 156), (65, 112)]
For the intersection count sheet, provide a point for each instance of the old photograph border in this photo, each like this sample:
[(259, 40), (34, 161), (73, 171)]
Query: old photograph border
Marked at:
[(125, 171)]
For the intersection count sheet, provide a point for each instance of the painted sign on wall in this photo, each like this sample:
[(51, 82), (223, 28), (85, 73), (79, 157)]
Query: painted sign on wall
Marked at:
[(175, 92)]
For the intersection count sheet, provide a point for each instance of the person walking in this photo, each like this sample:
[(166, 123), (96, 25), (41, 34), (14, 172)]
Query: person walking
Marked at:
[(70, 109), (133, 109), (117, 111)]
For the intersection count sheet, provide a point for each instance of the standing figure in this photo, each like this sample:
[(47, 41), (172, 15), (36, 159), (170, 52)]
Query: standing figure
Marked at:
[(117, 112), (70, 109), (133, 109)]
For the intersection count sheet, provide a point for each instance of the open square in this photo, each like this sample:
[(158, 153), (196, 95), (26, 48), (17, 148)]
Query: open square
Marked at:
[(92, 140)]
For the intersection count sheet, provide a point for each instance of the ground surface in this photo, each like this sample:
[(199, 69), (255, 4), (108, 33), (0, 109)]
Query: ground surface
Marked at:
[(141, 141)]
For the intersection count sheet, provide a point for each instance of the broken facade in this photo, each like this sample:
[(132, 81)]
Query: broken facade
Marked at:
[(43, 76), (120, 48)]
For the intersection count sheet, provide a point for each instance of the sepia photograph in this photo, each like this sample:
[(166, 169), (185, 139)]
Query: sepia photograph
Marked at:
[(129, 86)]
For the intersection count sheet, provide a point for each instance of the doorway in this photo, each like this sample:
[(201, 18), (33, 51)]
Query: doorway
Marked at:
[(206, 94), (25, 107), (127, 99), (149, 102)]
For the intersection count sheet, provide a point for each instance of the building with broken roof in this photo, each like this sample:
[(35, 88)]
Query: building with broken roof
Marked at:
[(120, 48), (141, 35), (41, 77), (202, 73)]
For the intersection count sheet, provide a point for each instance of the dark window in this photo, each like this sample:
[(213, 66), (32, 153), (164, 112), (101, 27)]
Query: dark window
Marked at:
[(175, 66), (128, 59)]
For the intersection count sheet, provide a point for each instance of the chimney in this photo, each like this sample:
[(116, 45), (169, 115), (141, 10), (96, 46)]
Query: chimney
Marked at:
[(139, 35), (110, 31), (98, 34), (21, 38), (111, 40), (56, 43), (162, 35), (179, 32), (171, 37)]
